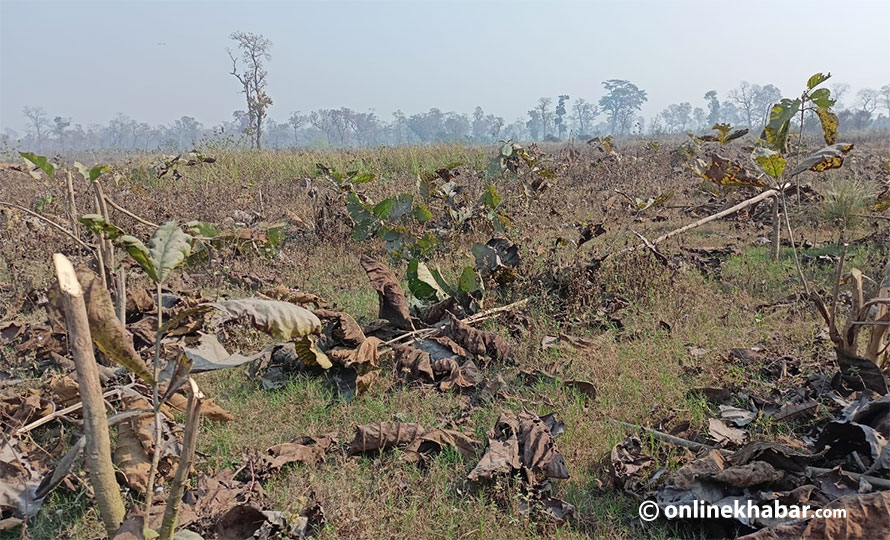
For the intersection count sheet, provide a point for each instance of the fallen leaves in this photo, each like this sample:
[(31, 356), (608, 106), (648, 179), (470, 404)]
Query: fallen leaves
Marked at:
[(393, 306)]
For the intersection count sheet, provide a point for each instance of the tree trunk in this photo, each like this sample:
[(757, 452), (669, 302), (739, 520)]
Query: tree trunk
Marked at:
[(95, 424)]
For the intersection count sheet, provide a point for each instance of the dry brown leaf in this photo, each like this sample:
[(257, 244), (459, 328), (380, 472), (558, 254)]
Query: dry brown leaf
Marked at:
[(280, 292), (628, 461), (383, 435), (343, 328), (134, 442), (502, 455), (868, 516), (393, 306), (306, 450), (413, 364), (140, 300), (209, 409), (107, 331), (480, 342), (436, 440)]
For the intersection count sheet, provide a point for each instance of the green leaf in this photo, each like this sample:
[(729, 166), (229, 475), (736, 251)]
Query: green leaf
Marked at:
[(169, 247), (490, 197), (422, 213), (468, 281), (362, 178), (822, 98), (141, 254), (422, 284), (426, 243), (98, 225), (771, 161), (383, 209), (365, 229), (816, 80), (202, 228), (437, 276), (358, 210), (93, 173), (33, 160), (779, 122)]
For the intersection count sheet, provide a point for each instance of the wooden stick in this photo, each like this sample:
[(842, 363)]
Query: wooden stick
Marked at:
[(62, 412), (49, 222), (731, 210), (95, 424), (177, 486), (481, 316), (123, 210)]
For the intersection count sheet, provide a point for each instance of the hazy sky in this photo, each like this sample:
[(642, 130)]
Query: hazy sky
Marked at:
[(156, 61)]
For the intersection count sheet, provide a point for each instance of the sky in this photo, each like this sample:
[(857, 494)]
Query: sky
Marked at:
[(156, 60)]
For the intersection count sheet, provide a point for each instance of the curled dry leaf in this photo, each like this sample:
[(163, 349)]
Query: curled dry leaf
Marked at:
[(628, 462), (306, 450), (107, 331), (135, 439), (413, 364), (206, 353), (520, 443), (308, 352), (280, 292), (343, 328), (393, 306), (480, 342), (437, 440), (383, 436), (364, 360)]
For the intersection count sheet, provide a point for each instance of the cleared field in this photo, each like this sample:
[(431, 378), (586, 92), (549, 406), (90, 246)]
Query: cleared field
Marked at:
[(649, 328)]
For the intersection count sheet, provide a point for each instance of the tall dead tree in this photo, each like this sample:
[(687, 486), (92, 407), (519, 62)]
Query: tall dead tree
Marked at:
[(254, 50)]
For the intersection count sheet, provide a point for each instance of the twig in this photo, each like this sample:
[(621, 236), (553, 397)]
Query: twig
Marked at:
[(62, 412), (803, 279), (128, 213), (481, 316), (837, 284), (663, 436), (177, 487), (49, 222), (723, 213)]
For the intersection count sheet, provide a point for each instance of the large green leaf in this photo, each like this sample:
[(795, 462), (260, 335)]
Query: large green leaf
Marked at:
[(40, 162), (817, 79), (770, 161), (422, 213), (141, 254), (422, 284), (281, 320), (383, 209), (402, 205), (202, 228), (169, 247)]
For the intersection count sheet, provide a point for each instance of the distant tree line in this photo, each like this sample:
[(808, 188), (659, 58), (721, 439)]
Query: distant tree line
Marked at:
[(616, 112)]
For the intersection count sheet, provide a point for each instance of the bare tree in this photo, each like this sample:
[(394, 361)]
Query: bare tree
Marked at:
[(543, 109), (885, 97), (296, 121), (60, 124), (39, 122), (744, 97), (868, 99), (838, 90), (254, 50)]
